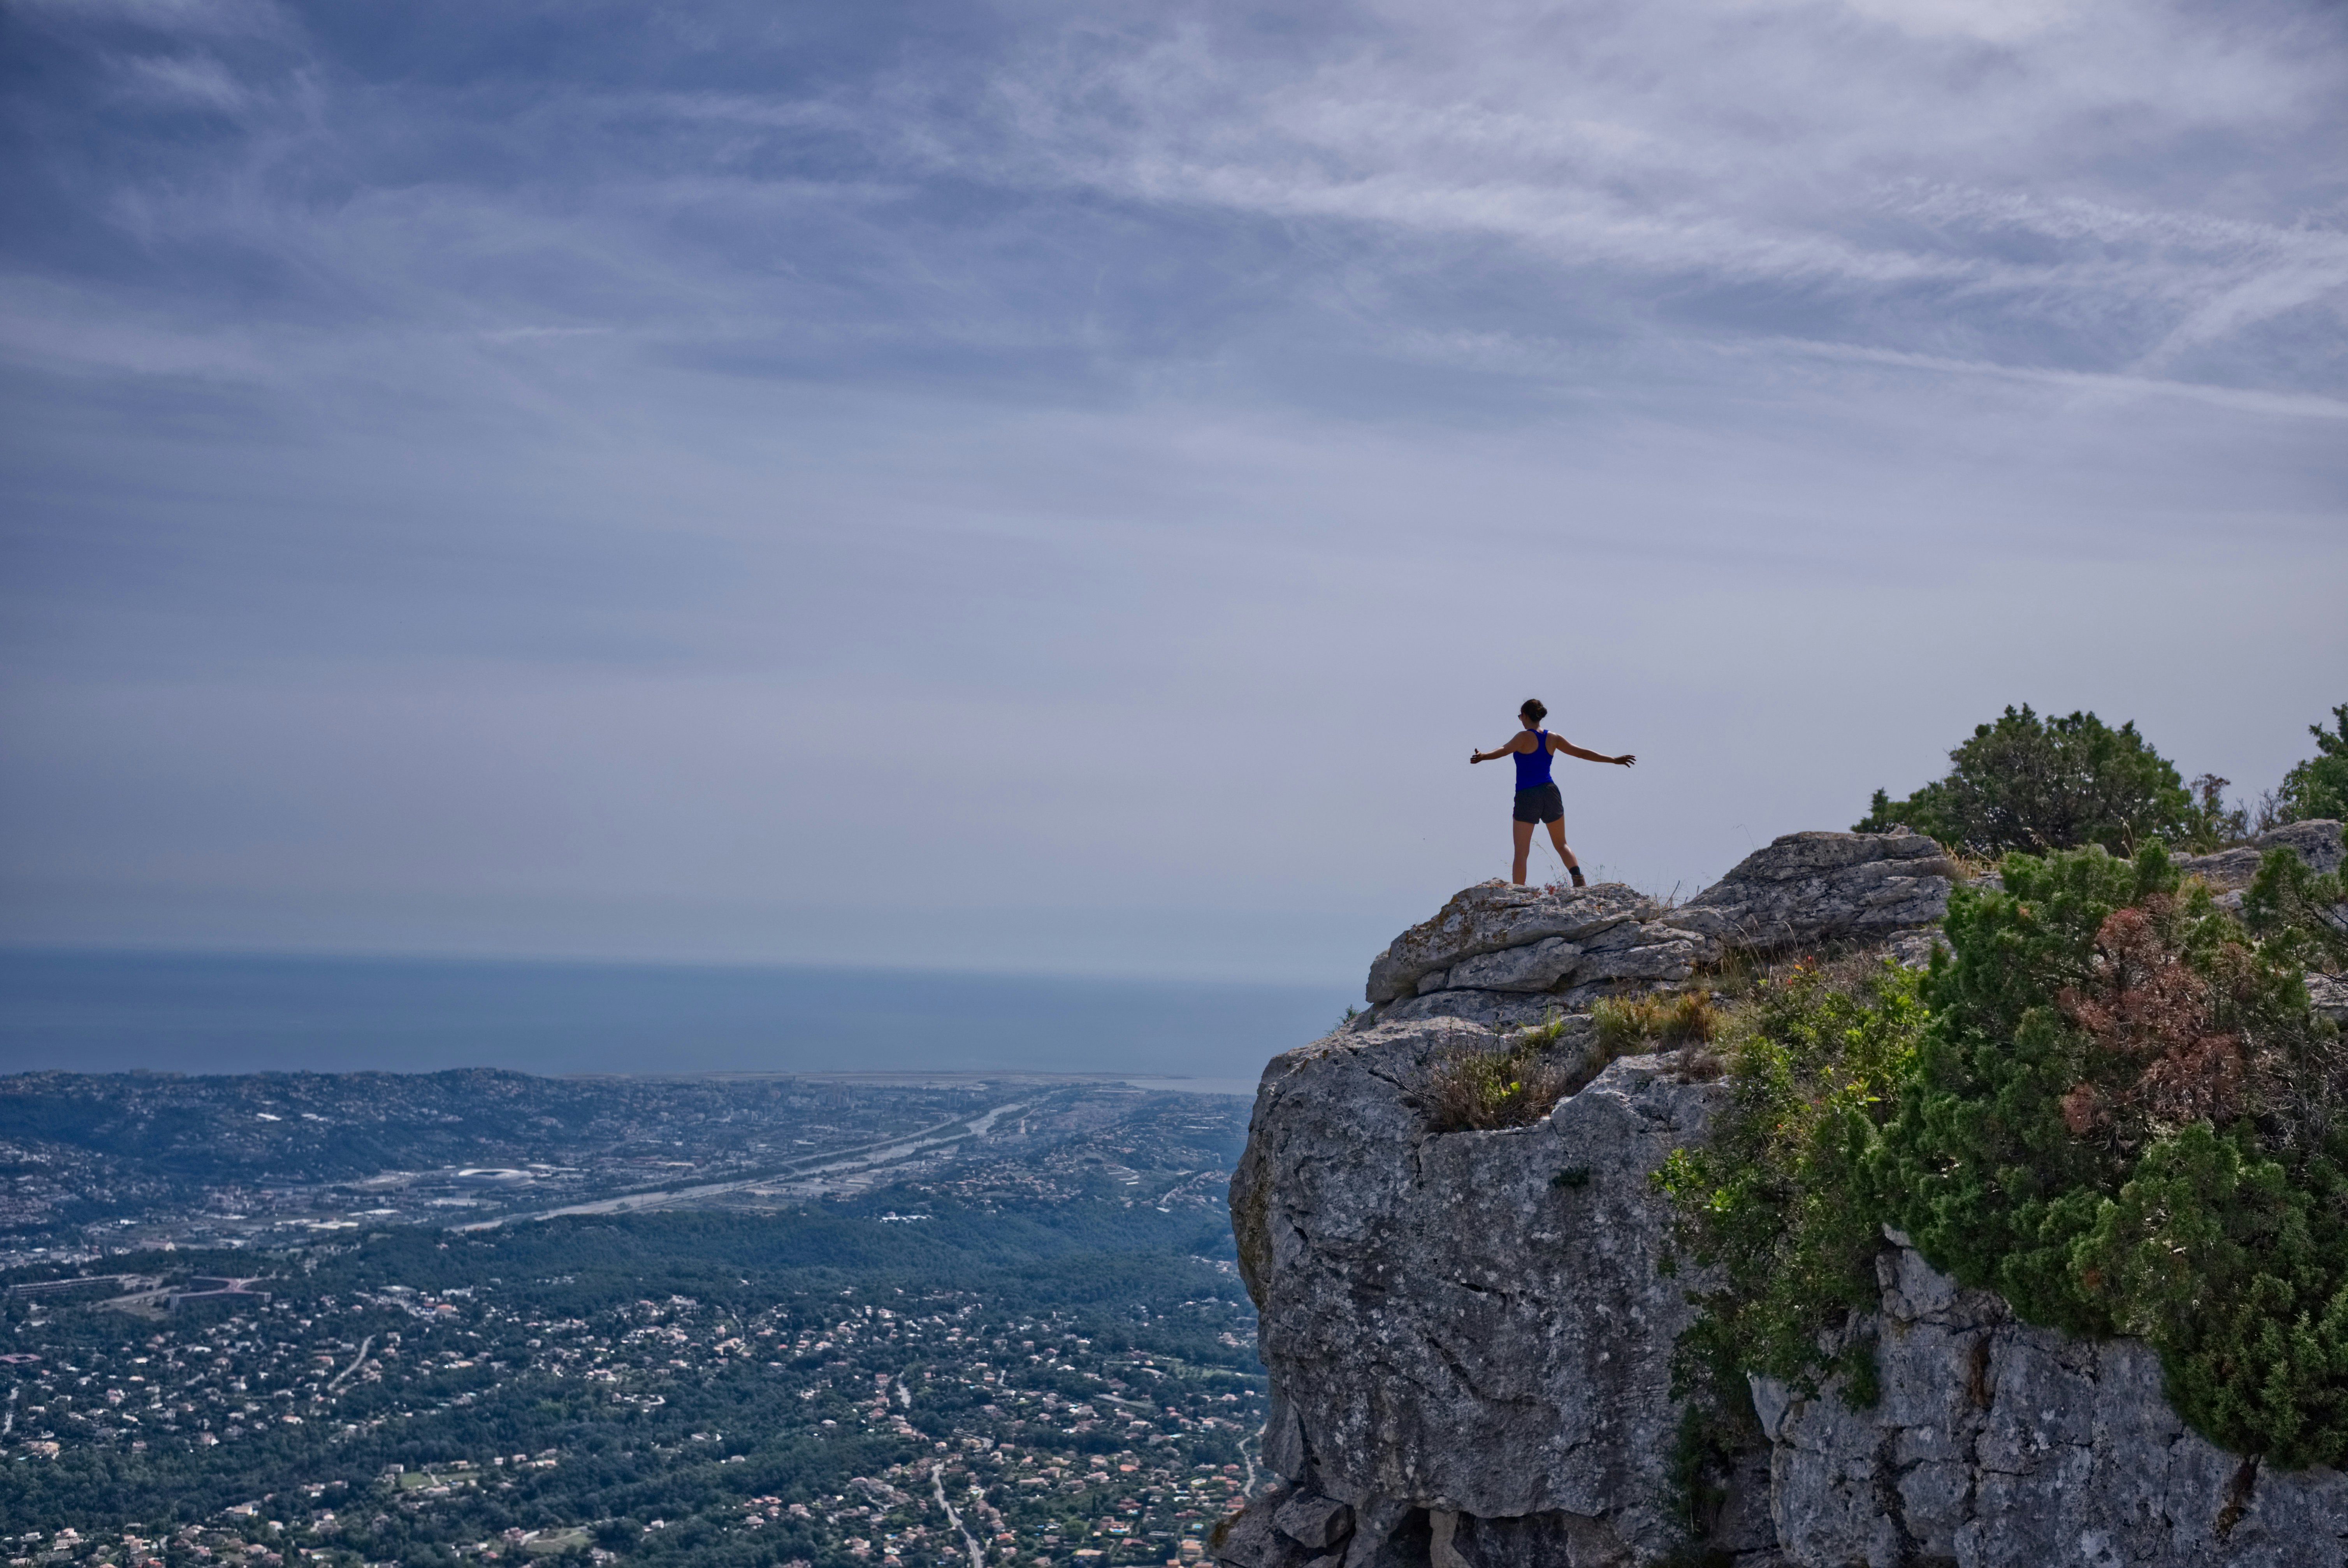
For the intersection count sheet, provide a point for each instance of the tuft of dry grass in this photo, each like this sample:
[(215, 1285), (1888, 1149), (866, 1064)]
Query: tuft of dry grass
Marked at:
[(1513, 1084), (1970, 868), (1686, 1021), (1733, 977), (1659, 1021)]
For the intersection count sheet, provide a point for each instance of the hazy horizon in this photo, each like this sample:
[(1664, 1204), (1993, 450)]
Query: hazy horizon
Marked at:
[(1060, 490), (215, 1012)]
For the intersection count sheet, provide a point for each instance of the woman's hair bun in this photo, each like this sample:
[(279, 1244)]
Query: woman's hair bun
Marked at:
[(1533, 709)]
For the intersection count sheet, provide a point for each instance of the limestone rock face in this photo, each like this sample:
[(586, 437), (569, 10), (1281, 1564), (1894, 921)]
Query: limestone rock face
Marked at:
[(1996, 1445), (1492, 916), (1493, 1009), (1809, 888), (2315, 842), (2329, 995), (1502, 954), (1468, 1335)]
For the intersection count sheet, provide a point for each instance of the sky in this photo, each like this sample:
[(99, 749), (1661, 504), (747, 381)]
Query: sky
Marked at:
[(1062, 489)]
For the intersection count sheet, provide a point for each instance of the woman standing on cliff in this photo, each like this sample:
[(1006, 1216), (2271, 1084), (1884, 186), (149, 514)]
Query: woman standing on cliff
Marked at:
[(1537, 800)]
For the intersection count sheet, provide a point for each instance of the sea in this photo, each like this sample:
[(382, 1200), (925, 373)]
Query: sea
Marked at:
[(183, 1013)]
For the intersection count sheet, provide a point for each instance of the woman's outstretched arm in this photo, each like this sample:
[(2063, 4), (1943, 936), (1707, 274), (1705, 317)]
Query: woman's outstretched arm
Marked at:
[(1523, 742), (1561, 744)]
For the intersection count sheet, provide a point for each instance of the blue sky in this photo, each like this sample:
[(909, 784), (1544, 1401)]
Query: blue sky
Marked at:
[(1063, 487)]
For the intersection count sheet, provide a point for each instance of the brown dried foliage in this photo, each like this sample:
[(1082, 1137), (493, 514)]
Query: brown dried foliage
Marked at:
[(2160, 1056)]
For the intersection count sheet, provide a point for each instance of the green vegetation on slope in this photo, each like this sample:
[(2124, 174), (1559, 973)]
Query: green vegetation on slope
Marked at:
[(2125, 1118), (1814, 1060), (2107, 1100)]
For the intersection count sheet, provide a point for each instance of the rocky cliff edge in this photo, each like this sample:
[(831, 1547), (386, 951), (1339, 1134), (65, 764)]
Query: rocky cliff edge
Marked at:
[(1469, 1334)]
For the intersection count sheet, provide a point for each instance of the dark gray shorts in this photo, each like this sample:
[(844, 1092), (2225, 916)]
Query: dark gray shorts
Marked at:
[(1543, 804)]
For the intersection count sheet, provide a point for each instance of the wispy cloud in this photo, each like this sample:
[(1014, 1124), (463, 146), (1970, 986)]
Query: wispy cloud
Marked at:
[(2294, 405), (165, 81), (1956, 160), (185, 18)]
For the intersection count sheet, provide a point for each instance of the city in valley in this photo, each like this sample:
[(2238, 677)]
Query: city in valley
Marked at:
[(92, 1164), (367, 1319)]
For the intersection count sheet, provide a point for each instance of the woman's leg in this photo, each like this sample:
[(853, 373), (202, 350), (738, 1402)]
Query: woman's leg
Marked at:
[(1565, 851), (1524, 848)]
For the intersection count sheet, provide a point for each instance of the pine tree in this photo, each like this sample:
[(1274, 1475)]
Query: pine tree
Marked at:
[(2040, 785)]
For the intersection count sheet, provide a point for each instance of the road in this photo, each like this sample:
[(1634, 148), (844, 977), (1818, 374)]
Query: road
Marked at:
[(938, 1488), (871, 1156), (356, 1362)]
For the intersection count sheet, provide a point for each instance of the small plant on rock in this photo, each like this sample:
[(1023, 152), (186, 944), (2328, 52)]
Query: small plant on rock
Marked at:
[(1513, 1084), (1654, 1021)]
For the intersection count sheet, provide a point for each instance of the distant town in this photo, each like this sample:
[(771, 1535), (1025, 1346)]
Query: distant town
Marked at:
[(91, 1165), (1017, 1338)]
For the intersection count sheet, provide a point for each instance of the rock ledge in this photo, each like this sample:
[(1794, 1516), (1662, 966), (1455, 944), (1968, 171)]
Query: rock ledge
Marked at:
[(1469, 1335)]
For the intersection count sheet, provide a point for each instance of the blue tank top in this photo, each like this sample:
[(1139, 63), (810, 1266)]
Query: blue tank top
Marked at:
[(1532, 767)]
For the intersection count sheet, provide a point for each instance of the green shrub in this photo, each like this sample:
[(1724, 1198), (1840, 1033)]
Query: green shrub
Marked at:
[(2318, 786), (2105, 1101), (2025, 783), (2296, 910), (2123, 1119), (1776, 1203), (1778, 1199), (2214, 824)]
